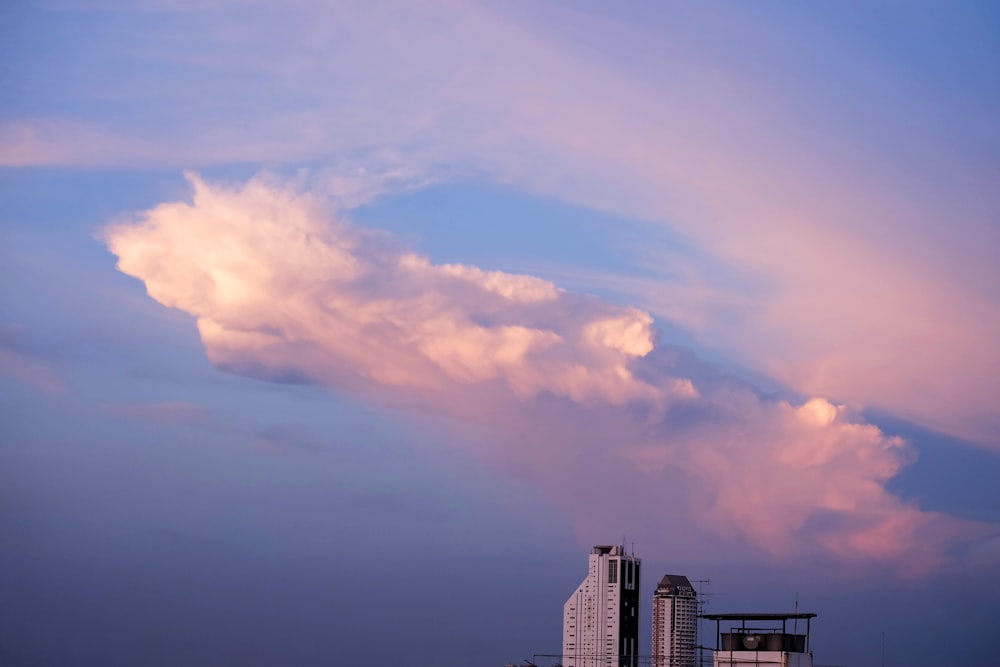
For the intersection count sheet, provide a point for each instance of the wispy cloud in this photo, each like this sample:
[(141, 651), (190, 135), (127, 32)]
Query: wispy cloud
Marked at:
[(23, 361), (570, 389)]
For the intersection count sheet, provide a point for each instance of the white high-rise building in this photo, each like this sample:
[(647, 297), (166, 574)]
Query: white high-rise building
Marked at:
[(675, 622), (601, 619)]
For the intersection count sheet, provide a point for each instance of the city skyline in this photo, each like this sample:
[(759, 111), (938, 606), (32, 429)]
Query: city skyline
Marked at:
[(306, 307)]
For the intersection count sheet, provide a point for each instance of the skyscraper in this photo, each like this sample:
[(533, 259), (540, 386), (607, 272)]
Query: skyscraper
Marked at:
[(675, 622), (601, 618)]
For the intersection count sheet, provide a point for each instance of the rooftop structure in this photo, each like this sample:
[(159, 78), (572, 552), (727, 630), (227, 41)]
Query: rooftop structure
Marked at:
[(755, 639)]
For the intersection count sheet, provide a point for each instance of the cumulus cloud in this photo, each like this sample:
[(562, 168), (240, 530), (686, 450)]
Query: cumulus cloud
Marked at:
[(573, 390), (819, 255), (282, 291)]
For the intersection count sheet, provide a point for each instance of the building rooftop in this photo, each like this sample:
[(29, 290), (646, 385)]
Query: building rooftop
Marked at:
[(757, 617), (610, 550), (677, 580)]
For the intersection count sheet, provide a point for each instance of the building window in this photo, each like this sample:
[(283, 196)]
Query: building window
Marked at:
[(612, 571)]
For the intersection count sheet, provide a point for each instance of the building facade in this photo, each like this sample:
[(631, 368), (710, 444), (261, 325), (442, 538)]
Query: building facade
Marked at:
[(675, 622), (601, 618)]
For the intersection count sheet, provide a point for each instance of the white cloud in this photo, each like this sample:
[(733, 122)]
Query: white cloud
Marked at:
[(570, 390), (842, 276), (272, 275)]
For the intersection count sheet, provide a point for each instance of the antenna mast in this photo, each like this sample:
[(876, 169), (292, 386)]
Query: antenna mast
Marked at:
[(701, 610)]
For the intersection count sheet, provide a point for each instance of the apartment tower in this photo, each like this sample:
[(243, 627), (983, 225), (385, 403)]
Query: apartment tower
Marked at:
[(601, 618), (675, 622)]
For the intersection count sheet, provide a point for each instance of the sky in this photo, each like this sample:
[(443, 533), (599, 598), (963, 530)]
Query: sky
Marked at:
[(340, 332)]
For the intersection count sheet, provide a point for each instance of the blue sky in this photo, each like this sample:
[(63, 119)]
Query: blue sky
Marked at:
[(314, 318)]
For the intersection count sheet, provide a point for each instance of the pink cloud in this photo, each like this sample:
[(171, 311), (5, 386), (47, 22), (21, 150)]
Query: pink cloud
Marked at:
[(34, 142), (844, 278), (268, 276), (24, 361), (568, 390), (31, 371)]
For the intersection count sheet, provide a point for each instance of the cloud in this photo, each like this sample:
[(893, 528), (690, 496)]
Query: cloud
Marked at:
[(817, 231), (272, 282), (32, 142), (571, 391), (27, 362), (31, 371)]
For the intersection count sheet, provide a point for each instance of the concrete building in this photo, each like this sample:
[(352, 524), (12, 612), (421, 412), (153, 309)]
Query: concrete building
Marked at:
[(755, 639), (601, 618), (675, 622)]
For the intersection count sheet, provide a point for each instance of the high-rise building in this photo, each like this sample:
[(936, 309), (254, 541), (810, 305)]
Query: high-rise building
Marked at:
[(601, 618), (675, 622)]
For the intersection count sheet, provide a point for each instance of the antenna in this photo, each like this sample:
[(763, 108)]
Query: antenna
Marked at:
[(701, 610), (795, 625)]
